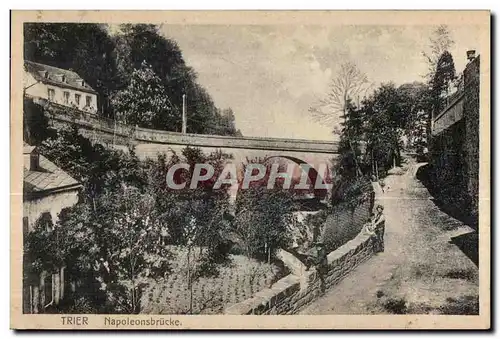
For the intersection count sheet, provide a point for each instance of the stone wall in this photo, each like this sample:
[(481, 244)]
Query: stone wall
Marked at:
[(471, 117), (455, 151), (295, 291), (346, 222)]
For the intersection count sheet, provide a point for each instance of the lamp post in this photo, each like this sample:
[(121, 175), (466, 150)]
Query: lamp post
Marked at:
[(184, 117)]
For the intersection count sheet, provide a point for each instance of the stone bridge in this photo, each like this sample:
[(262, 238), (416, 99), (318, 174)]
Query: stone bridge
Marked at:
[(148, 143)]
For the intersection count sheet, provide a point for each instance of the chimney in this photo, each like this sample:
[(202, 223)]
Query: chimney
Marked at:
[(31, 158), (471, 55)]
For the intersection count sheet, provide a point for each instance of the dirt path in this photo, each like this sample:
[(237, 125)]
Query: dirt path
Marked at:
[(420, 270)]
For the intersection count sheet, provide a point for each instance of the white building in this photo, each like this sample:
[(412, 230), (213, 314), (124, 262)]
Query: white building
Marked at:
[(58, 85)]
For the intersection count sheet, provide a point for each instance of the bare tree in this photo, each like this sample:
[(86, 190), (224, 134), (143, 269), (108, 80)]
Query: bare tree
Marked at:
[(440, 41), (349, 83)]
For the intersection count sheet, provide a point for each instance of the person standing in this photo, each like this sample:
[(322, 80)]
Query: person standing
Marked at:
[(320, 261), (379, 227)]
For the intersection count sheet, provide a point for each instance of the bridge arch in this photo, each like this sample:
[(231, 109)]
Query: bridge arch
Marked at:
[(313, 174)]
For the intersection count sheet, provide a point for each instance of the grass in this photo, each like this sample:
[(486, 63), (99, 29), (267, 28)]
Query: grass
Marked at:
[(466, 274), (237, 281), (463, 305)]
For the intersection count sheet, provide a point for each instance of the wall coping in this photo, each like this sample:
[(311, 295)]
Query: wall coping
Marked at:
[(449, 106)]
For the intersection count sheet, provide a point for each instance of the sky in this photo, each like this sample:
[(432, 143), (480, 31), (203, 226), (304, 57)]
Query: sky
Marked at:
[(271, 75)]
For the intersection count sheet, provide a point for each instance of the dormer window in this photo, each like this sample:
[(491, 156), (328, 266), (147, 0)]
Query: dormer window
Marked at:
[(46, 75), (63, 78)]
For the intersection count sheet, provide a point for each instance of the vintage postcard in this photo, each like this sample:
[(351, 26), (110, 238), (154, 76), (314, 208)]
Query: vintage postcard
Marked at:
[(250, 170)]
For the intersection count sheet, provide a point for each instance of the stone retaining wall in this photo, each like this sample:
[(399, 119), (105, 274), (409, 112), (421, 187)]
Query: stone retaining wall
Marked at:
[(293, 292), (298, 289), (454, 151)]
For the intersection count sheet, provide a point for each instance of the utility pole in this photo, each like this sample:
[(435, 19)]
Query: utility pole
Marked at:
[(184, 117)]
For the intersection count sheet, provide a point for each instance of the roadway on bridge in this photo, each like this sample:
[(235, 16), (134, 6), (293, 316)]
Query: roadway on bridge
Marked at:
[(420, 270)]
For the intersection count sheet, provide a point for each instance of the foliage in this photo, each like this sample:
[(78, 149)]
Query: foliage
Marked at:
[(40, 250), (226, 124), (133, 244), (416, 102), (442, 80), (35, 123), (439, 42), (262, 218), (386, 119), (84, 48), (203, 206), (144, 102), (373, 129), (441, 70), (93, 165), (141, 43)]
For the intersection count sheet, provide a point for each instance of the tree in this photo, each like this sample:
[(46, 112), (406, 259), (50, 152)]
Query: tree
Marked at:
[(40, 250), (347, 86), (224, 122), (440, 41), (349, 83), (442, 80), (415, 102), (145, 102), (35, 123), (385, 121), (262, 218), (195, 218), (351, 137), (133, 246)]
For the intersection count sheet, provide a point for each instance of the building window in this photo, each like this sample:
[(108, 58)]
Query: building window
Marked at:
[(45, 221), (77, 99), (51, 94), (66, 97), (88, 100)]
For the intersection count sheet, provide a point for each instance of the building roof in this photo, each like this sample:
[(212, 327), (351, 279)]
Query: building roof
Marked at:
[(47, 178), (57, 76)]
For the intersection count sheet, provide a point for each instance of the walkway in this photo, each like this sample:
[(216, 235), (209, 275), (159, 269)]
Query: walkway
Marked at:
[(421, 271)]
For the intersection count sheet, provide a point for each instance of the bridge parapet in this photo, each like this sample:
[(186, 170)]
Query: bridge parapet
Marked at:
[(122, 134), (203, 140)]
